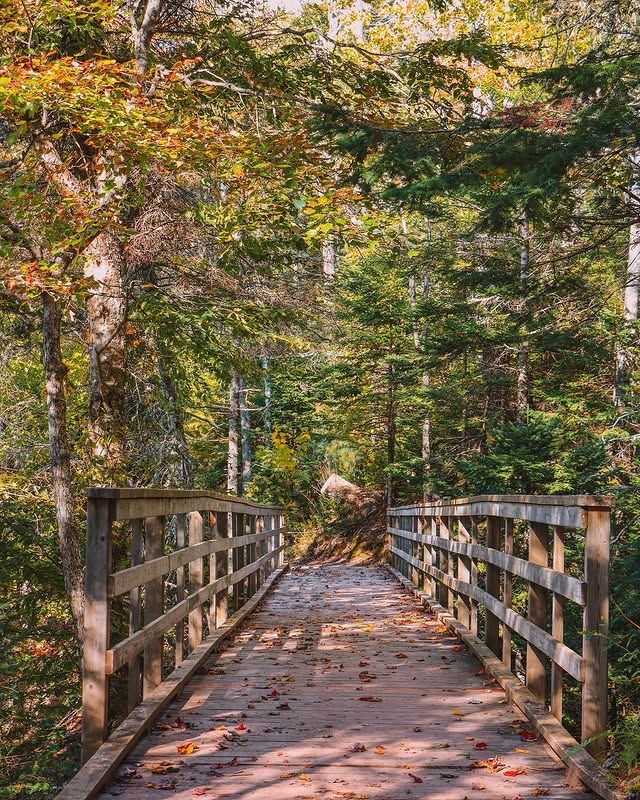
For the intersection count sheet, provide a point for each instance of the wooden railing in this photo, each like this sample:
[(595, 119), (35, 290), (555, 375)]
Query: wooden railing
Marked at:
[(469, 554), (164, 570)]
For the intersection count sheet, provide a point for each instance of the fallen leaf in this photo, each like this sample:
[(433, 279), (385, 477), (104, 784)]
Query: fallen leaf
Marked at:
[(539, 791), (380, 750), (415, 778), (241, 727), (187, 748), (367, 698), (457, 713), (528, 735), (287, 775), (303, 777), (480, 745), (358, 747), (513, 773), (490, 764), (417, 729), (200, 791), (401, 655), (520, 749)]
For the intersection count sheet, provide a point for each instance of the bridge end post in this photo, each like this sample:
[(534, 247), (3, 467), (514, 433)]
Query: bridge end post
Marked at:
[(95, 681), (595, 631)]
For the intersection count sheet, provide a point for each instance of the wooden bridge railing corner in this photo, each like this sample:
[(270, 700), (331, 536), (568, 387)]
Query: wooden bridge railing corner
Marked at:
[(462, 557)]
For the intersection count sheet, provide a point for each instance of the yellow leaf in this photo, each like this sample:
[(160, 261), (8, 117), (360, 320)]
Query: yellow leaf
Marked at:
[(187, 748), (380, 750), (303, 777), (457, 713)]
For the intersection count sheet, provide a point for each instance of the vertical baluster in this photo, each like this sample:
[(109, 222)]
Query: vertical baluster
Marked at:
[(445, 592), (196, 578), (237, 531), (435, 586), (536, 678), (415, 575), (222, 569), (464, 571), (181, 540), (153, 604), (95, 683), (595, 623), (134, 678), (253, 578), (474, 576), (557, 624), (492, 633), (507, 594), (213, 573)]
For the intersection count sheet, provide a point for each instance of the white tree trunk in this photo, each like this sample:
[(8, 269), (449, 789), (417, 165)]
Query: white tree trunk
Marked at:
[(631, 297), (266, 366), (523, 380), (245, 426), (427, 489), (232, 455)]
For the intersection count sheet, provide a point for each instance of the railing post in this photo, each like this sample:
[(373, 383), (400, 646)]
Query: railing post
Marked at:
[(445, 592), (253, 578), (153, 604), (474, 577), (221, 531), (181, 540), (507, 596), (492, 633), (95, 683), (557, 624), (464, 571), (538, 554), (134, 677), (196, 578), (595, 631)]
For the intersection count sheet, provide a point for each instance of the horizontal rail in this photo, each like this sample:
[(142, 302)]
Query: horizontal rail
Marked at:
[(130, 578), (568, 511), (564, 585), (141, 503), (120, 655)]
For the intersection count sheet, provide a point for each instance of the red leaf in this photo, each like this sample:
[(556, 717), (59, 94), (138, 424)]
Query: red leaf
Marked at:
[(415, 778), (480, 745), (513, 773)]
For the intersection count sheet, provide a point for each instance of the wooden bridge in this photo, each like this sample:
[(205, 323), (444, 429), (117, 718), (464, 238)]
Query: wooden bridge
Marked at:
[(210, 672)]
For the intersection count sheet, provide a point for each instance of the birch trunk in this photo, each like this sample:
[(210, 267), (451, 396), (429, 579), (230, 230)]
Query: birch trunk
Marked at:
[(427, 489), (523, 388), (107, 317), (391, 438), (245, 427), (328, 259), (232, 454), (631, 300), (266, 366), (69, 540)]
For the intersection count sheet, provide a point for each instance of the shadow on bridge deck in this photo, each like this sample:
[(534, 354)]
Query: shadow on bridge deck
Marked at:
[(341, 687)]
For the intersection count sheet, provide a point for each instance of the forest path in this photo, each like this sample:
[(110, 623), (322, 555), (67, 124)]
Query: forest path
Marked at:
[(341, 686)]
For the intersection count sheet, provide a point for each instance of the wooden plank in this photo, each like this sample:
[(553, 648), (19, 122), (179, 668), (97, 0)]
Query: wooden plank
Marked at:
[(196, 578), (153, 608), (134, 672), (557, 624), (507, 597), (181, 541), (537, 611), (118, 655), (127, 579), (596, 626), (565, 585), (570, 661), (581, 500), (580, 763), (492, 581), (104, 763), (95, 683)]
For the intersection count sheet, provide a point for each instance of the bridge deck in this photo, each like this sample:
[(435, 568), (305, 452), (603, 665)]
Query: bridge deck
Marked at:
[(341, 687)]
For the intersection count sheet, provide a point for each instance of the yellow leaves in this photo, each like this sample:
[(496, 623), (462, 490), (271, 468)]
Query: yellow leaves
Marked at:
[(380, 750), (303, 777), (187, 749), (457, 712)]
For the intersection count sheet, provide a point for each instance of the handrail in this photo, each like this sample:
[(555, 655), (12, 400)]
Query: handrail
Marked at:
[(463, 554), (222, 549)]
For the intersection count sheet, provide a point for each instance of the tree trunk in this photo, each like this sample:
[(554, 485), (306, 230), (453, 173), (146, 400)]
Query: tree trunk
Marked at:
[(523, 388), (328, 259), (266, 366), (245, 426), (391, 438), (631, 298), (232, 455), (176, 427), (107, 316), (427, 489), (69, 541)]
